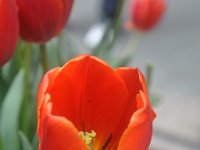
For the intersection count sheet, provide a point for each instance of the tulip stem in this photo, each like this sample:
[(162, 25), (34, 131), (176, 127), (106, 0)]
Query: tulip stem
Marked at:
[(27, 93), (116, 23), (27, 54), (27, 64), (43, 57), (59, 50)]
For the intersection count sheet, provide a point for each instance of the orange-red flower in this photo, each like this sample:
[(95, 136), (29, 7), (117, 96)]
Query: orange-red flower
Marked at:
[(8, 29), (40, 20), (85, 96), (145, 14)]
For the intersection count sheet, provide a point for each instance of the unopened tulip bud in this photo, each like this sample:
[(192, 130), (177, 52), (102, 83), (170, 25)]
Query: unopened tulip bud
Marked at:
[(145, 14), (41, 20)]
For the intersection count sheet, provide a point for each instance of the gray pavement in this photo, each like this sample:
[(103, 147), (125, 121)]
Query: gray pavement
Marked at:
[(174, 49)]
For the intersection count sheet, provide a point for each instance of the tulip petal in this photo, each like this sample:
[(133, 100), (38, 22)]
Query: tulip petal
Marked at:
[(135, 82), (45, 86), (139, 131), (138, 134), (58, 133), (131, 79), (91, 95)]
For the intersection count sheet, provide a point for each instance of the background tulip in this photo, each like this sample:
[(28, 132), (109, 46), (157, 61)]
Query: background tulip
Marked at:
[(144, 14), (8, 29), (87, 95), (40, 20)]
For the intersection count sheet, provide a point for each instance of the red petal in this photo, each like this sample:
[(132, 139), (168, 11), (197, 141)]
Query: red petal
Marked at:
[(139, 131), (135, 82), (58, 133), (138, 134), (131, 78), (45, 86), (91, 95)]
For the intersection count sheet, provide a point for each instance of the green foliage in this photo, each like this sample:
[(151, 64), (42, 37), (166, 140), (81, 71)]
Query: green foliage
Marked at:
[(10, 110), (24, 142), (35, 141), (1, 143)]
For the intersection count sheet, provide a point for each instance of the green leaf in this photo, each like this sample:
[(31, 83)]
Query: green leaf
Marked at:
[(24, 142), (1, 144), (35, 142), (10, 110)]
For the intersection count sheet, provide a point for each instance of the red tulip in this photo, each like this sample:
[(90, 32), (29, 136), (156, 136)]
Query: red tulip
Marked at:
[(40, 20), (86, 95), (145, 14), (9, 30)]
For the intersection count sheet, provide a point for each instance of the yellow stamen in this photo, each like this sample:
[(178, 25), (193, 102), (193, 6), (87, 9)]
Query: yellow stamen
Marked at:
[(88, 138)]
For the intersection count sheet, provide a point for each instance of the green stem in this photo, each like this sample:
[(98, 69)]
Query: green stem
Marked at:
[(117, 22), (27, 62), (43, 57), (27, 49), (59, 50)]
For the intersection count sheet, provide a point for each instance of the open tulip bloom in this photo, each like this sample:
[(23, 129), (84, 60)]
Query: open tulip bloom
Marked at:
[(87, 105)]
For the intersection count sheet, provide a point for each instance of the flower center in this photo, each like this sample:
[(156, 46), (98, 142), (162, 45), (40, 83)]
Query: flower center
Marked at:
[(88, 138)]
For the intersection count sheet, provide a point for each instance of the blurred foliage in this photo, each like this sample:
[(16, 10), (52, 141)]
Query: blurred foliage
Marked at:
[(10, 111)]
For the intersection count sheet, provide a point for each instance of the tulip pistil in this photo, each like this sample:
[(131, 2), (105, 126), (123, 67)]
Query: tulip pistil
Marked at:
[(88, 138)]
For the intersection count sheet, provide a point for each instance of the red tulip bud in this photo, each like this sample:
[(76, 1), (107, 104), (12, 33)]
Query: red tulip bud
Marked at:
[(40, 20), (9, 29), (146, 13)]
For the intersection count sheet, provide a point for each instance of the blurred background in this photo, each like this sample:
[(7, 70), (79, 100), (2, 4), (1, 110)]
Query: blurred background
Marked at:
[(174, 49)]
